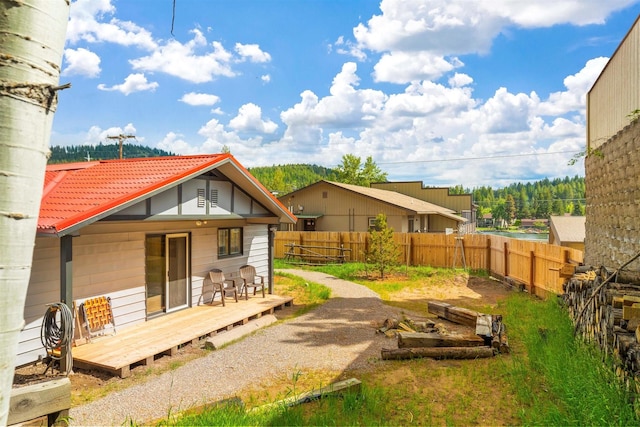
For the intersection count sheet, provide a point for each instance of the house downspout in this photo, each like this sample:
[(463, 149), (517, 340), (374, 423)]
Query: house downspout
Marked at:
[(271, 232)]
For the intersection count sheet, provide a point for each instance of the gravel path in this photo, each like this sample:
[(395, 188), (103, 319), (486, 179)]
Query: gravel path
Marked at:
[(339, 335)]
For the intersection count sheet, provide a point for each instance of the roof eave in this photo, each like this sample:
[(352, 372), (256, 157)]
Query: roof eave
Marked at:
[(71, 226)]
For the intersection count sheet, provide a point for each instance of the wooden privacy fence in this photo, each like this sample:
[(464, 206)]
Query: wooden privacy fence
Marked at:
[(534, 264)]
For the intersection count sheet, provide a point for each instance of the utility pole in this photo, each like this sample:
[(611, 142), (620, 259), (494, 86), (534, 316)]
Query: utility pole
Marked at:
[(120, 139)]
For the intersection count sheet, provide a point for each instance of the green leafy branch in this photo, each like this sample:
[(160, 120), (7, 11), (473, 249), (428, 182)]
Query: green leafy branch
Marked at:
[(585, 153), (633, 116)]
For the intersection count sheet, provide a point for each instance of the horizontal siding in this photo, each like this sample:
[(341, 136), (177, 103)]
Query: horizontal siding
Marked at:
[(204, 250), (128, 306), (109, 260), (108, 263), (256, 238), (44, 288)]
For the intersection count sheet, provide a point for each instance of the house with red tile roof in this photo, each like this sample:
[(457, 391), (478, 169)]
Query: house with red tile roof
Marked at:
[(144, 233)]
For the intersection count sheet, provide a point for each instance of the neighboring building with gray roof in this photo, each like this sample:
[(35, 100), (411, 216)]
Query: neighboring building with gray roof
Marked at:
[(334, 206), (567, 231)]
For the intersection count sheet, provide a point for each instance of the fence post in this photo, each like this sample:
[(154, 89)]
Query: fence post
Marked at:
[(489, 255), (506, 259), (532, 269)]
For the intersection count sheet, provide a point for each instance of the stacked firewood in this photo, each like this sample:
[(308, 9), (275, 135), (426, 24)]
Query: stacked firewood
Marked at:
[(487, 339), (608, 314)]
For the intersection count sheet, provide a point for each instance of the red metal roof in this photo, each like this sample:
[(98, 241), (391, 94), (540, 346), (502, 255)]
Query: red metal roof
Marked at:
[(77, 192)]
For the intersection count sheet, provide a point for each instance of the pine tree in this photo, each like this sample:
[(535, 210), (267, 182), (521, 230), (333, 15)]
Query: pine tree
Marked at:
[(383, 252)]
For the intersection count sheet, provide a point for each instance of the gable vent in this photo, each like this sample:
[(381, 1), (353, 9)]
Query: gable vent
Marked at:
[(214, 198), (201, 198)]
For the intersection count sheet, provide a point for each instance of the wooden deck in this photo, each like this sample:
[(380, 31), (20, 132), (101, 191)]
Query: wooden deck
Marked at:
[(142, 343)]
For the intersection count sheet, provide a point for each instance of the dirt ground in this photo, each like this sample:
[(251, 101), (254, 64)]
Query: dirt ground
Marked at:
[(477, 293)]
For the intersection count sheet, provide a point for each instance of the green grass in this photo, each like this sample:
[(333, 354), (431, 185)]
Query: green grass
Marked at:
[(367, 408), (559, 380), (550, 378), (306, 295)]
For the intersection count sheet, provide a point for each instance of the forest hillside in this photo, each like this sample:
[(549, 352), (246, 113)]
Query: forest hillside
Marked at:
[(538, 199)]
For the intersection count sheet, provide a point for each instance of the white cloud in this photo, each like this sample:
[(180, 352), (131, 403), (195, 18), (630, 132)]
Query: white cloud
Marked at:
[(506, 113), (81, 62), (574, 98), (421, 39), (411, 132), (85, 23), (197, 99), (545, 13), (346, 106), (217, 138), (460, 80), (438, 26), (252, 52), (96, 135), (174, 143), (249, 119), (403, 67), (183, 61), (133, 83), (348, 48), (435, 124)]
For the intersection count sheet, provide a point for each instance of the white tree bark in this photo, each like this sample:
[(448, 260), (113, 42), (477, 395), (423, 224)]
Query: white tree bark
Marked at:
[(32, 34)]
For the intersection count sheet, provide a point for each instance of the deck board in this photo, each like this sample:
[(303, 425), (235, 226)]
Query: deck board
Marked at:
[(141, 343)]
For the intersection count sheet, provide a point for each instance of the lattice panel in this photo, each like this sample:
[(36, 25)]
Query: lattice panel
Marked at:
[(97, 312)]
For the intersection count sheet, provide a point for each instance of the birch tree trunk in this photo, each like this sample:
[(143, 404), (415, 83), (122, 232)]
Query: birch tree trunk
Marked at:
[(32, 34)]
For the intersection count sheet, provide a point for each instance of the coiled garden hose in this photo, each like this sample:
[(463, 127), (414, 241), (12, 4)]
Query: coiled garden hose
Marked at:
[(57, 332)]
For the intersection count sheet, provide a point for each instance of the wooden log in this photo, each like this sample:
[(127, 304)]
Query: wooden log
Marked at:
[(499, 339), (631, 312), (437, 353), (422, 339), (352, 385), (50, 398), (452, 313)]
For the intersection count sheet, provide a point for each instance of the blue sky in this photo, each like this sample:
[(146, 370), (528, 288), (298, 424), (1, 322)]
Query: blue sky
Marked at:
[(447, 92)]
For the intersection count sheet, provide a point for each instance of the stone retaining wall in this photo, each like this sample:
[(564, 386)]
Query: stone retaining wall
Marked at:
[(613, 203)]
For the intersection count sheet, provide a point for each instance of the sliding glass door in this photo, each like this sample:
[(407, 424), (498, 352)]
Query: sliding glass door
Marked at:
[(167, 272), (177, 257)]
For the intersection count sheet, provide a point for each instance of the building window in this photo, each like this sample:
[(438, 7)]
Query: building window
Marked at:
[(325, 195), (229, 242), (372, 223)]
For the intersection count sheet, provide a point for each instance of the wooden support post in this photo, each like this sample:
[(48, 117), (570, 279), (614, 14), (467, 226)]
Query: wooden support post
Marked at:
[(506, 259), (532, 272), (489, 255), (66, 293)]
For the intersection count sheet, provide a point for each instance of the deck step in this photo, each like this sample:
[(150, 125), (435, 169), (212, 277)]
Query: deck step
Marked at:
[(217, 341)]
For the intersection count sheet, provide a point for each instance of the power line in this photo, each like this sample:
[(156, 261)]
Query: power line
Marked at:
[(477, 158)]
